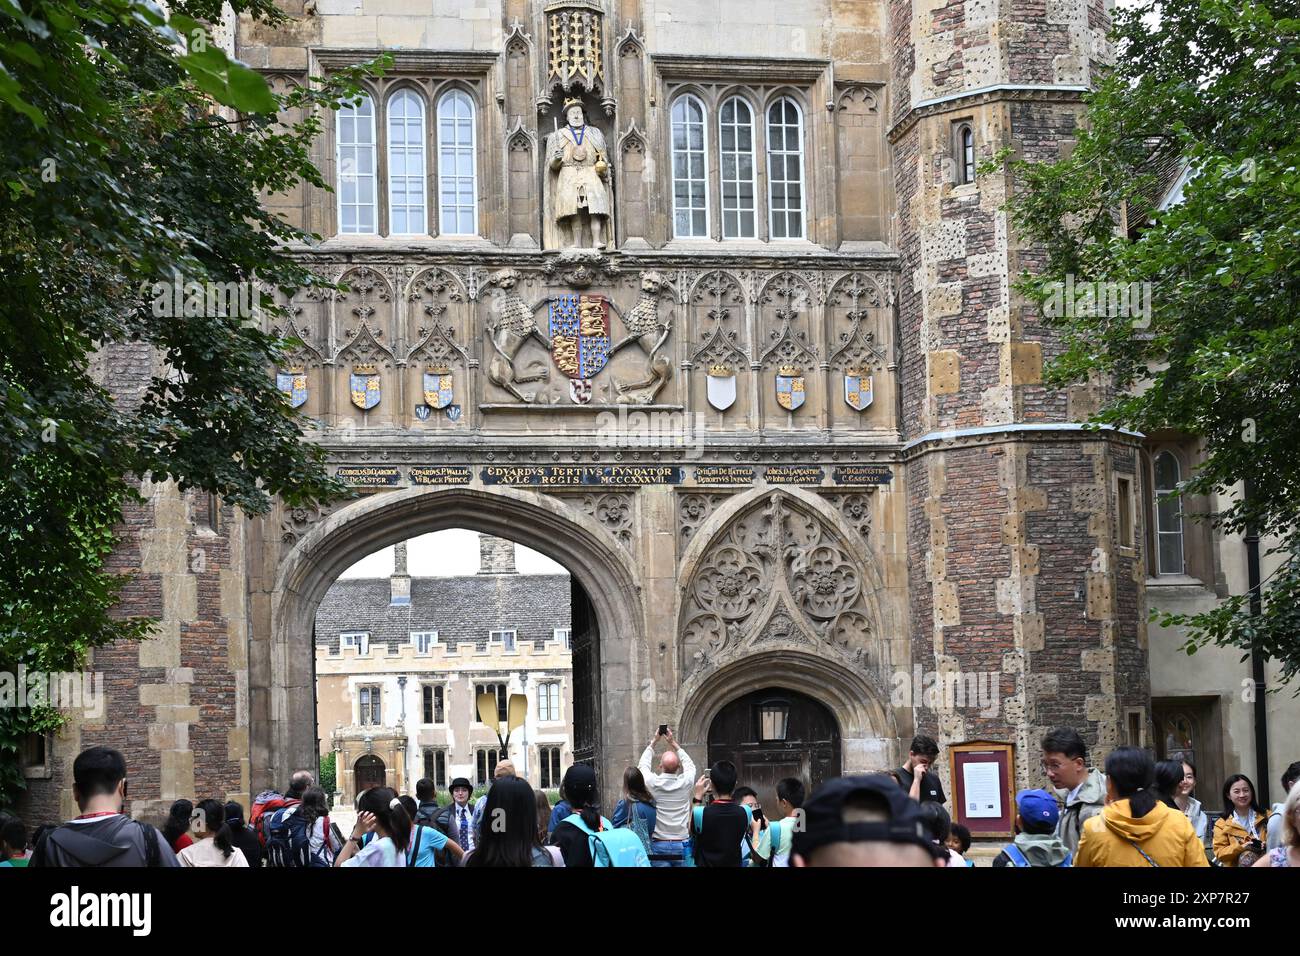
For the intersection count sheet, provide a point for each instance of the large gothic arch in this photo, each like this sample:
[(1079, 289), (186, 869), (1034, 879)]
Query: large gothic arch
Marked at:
[(281, 683)]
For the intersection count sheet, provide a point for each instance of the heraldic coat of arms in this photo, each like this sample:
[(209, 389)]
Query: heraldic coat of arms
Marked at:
[(580, 339)]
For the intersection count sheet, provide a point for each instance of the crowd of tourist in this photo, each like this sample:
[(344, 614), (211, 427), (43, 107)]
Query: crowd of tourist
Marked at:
[(1133, 812)]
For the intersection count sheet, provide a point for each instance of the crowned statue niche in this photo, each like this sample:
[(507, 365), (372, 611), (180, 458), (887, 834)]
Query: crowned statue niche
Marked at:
[(578, 206)]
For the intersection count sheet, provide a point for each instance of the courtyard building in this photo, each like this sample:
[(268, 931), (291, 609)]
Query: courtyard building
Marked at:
[(402, 661)]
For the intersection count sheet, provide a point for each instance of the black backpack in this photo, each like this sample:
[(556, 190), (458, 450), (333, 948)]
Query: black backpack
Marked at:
[(152, 839)]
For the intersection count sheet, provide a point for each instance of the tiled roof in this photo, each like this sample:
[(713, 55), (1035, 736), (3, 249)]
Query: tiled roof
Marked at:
[(460, 609)]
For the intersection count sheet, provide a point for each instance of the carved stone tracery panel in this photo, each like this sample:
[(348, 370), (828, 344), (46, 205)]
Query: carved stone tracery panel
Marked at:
[(778, 574)]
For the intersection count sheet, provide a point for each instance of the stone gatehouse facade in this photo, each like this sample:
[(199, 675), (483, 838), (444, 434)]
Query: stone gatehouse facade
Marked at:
[(784, 424)]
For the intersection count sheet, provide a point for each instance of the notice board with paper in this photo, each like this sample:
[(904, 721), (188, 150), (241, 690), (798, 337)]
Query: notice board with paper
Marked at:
[(983, 795)]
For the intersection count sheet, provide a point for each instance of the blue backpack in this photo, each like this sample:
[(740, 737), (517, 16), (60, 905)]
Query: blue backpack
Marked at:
[(288, 840), (612, 847), (1018, 859)]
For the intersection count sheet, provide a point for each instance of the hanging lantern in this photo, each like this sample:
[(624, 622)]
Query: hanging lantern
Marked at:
[(773, 720)]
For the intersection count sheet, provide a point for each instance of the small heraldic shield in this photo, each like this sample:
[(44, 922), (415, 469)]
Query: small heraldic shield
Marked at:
[(437, 386), (365, 386), (579, 327), (721, 386), (789, 387), (293, 383), (422, 412), (580, 390), (857, 388)]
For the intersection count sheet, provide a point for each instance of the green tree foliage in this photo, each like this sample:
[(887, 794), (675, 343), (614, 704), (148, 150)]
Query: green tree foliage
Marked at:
[(135, 152), (1215, 85), (328, 772)]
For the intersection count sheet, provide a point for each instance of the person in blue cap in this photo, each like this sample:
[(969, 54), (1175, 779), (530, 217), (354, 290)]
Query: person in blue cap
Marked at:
[(1036, 843)]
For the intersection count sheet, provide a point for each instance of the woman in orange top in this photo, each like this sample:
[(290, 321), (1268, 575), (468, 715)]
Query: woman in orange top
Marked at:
[(1244, 822)]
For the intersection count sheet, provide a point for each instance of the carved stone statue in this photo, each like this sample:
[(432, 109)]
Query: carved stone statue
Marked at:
[(578, 196)]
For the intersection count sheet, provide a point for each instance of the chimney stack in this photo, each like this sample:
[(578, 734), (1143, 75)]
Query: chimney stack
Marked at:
[(495, 555), (399, 585)]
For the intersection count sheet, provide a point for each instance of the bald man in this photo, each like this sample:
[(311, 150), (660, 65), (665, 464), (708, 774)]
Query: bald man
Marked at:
[(299, 784), (672, 787)]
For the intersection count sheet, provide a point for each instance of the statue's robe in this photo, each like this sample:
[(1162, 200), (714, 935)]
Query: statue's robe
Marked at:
[(575, 189)]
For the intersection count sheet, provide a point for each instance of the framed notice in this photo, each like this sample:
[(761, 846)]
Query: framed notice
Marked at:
[(983, 798)]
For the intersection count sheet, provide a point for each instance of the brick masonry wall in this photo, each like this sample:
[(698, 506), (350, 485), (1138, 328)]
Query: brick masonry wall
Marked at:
[(173, 701)]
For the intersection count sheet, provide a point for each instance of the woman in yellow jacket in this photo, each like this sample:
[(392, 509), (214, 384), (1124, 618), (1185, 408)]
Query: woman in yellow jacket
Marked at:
[(1136, 828), (1244, 821)]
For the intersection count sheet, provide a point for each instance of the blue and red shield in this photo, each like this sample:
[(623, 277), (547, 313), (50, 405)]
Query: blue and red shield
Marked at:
[(437, 387), (858, 393), (364, 386), (579, 333), (293, 383)]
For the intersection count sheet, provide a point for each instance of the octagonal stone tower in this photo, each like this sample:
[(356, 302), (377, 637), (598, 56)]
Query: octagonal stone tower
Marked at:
[(1020, 562)]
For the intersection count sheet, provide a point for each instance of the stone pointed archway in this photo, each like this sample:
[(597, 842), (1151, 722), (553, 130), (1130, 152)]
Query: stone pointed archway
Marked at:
[(868, 732), (282, 733), (748, 619)]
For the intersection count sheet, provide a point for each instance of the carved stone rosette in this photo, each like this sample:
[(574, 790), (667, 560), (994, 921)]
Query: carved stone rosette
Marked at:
[(612, 511), (693, 510)]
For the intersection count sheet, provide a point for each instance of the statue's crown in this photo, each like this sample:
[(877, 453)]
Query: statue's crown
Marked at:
[(571, 101)]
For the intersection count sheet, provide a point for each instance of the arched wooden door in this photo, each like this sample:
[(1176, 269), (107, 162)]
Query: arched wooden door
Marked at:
[(776, 733), (369, 771)]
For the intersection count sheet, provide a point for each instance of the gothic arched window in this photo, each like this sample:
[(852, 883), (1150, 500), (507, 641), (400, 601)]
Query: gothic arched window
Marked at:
[(690, 180), (457, 184), (785, 169), (407, 214), (1169, 514), (736, 142), (356, 166)]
